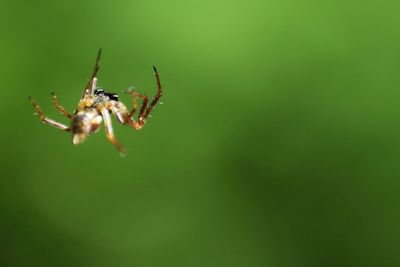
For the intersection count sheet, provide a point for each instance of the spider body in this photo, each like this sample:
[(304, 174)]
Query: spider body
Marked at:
[(84, 123), (96, 106)]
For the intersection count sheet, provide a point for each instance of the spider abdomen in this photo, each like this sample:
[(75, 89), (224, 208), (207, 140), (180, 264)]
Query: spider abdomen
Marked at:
[(84, 123)]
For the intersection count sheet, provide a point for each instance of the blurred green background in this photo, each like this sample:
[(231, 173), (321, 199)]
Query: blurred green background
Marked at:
[(278, 143)]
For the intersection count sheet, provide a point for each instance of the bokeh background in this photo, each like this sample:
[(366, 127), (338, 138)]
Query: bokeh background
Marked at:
[(277, 144)]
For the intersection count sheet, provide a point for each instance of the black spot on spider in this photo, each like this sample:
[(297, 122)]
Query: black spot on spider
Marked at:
[(98, 91), (112, 96)]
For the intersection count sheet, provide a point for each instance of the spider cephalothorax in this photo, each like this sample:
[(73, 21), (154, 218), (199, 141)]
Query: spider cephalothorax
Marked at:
[(97, 105)]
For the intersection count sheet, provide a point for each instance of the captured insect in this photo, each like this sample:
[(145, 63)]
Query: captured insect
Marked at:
[(97, 105)]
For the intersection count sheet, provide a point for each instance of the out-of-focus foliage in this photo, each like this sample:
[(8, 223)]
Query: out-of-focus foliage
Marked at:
[(278, 143)]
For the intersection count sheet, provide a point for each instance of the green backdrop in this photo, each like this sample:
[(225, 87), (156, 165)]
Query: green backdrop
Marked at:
[(277, 144)]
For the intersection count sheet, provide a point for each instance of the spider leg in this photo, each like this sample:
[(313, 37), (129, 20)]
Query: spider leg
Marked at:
[(144, 110), (59, 107), (91, 85), (48, 120), (110, 132), (135, 96), (157, 97)]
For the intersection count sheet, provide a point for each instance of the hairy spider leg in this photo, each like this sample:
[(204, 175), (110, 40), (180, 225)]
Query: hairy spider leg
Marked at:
[(91, 85), (135, 96), (158, 95), (46, 119), (144, 110), (59, 108), (110, 132)]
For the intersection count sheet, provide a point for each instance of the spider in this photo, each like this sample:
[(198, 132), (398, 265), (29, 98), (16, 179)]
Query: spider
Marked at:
[(97, 105)]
